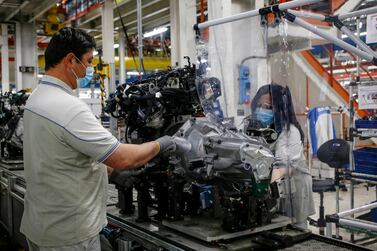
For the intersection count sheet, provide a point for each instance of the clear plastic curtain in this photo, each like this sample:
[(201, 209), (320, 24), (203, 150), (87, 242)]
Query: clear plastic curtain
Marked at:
[(250, 76)]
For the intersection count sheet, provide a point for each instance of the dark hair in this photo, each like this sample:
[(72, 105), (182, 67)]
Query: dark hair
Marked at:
[(284, 113), (65, 41)]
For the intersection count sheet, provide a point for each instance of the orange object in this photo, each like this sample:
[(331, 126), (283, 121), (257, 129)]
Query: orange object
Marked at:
[(331, 80), (336, 4)]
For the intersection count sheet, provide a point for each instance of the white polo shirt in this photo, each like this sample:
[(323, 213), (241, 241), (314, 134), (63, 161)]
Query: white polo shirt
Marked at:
[(64, 145)]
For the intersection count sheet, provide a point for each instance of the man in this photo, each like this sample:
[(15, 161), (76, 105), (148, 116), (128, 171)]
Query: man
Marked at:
[(65, 153)]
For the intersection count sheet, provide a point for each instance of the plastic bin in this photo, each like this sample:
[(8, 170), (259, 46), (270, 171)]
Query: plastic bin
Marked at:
[(361, 123), (366, 160), (367, 154)]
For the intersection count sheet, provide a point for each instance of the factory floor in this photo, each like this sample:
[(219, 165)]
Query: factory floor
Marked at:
[(364, 194)]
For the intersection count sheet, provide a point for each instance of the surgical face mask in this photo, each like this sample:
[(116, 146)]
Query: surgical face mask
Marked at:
[(265, 116), (85, 81)]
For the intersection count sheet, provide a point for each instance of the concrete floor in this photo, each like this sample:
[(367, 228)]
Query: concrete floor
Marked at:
[(363, 195)]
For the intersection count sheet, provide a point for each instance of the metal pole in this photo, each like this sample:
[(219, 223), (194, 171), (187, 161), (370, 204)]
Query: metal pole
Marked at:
[(358, 224), (357, 45), (364, 175), (310, 15), (122, 65), (358, 210), (253, 13), (140, 34), (18, 74), (320, 17), (358, 41), (330, 38), (358, 13), (4, 58), (329, 229)]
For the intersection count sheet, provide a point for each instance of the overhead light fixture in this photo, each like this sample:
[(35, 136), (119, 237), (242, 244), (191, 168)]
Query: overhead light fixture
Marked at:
[(134, 73), (361, 34), (116, 46), (155, 32)]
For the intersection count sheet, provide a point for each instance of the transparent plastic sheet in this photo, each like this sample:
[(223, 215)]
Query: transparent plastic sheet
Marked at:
[(226, 59), (230, 55)]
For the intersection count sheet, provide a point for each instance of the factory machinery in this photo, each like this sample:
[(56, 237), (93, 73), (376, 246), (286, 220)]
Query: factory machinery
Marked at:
[(11, 126), (216, 173), (214, 192)]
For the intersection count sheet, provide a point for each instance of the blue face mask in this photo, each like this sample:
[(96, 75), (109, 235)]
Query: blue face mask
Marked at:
[(265, 116), (85, 81)]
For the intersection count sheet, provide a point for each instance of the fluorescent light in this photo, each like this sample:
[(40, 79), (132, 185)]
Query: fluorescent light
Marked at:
[(134, 73), (116, 46), (155, 32), (361, 34)]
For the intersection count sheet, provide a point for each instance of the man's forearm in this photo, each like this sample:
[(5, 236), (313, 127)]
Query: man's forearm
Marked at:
[(130, 156)]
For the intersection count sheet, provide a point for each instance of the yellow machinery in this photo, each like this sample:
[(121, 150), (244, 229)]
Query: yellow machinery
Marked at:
[(53, 23)]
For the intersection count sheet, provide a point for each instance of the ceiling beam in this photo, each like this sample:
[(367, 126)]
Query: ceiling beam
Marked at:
[(148, 25), (129, 14), (83, 20), (150, 16), (45, 6), (16, 11), (134, 10)]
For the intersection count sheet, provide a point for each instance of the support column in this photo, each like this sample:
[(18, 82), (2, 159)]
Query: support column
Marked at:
[(18, 74), (122, 64), (182, 19), (140, 35), (4, 58), (108, 42), (108, 51), (26, 55)]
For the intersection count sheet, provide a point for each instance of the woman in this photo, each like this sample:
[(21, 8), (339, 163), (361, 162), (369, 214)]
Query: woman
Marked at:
[(272, 108)]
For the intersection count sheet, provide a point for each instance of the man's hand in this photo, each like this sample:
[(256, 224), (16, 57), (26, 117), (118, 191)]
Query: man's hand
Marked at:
[(173, 144), (167, 144)]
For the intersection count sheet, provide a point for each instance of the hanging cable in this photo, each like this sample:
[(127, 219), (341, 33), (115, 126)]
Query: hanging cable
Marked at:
[(128, 41)]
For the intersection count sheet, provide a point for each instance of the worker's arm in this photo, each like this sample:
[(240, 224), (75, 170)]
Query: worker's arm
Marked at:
[(129, 156), (288, 150)]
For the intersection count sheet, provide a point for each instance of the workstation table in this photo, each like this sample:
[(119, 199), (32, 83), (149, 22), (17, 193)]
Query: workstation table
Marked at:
[(153, 235)]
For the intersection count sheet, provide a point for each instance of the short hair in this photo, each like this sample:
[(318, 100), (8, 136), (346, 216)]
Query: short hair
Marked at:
[(65, 41)]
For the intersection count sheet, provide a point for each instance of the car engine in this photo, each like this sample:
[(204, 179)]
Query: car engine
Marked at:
[(11, 125), (216, 172)]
